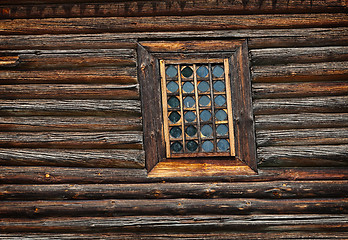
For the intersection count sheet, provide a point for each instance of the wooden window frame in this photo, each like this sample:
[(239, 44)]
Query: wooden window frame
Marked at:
[(149, 55)]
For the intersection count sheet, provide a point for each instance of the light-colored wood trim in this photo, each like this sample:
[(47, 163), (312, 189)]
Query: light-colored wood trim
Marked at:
[(165, 106), (197, 109), (181, 108), (194, 61)]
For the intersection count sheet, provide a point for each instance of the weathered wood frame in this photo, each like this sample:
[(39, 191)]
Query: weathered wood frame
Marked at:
[(149, 55)]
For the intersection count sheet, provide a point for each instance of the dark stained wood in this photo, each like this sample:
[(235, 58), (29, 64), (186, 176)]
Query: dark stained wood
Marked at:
[(303, 156), (69, 107), (301, 105), (68, 91), (73, 158), (301, 120), (174, 23), (63, 124)]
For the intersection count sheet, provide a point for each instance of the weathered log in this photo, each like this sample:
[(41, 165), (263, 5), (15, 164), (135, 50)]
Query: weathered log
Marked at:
[(68, 91), (182, 206), (63, 124), (307, 137), (307, 89), (69, 107), (174, 23), (73, 158), (329, 71), (50, 175), (301, 105), (303, 156), (72, 139), (91, 75), (9, 61), (277, 56), (302, 120), (282, 189)]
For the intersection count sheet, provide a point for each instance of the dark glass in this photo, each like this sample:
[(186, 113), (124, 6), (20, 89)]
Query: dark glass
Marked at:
[(172, 86), (186, 72), (202, 71), (221, 115), (220, 100), (188, 87), (190, 116), (174, 117), (223, 145), (173, 102), (191, 131), (205, 115), (191, 146), (176, 147), (219, 86), (206, 130), (208, 146), (189, 102), (204, 101), (171, 71), (203, 86), (175, 132), (218, 71), (222, 130)]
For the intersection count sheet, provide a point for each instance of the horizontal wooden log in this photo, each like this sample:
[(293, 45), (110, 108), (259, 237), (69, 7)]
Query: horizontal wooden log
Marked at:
[(277, 56), (130, 207), (330, 71), (9, 61), (71, 139), (69, 107), (303, 156), (68, 91), (302, 120), (266, 190), (301, 105), (113, 75), (51, 175), (306, 89), (148, 8), (258, 38), (265, 138), (73, 158), (63, 124), (174, 23)]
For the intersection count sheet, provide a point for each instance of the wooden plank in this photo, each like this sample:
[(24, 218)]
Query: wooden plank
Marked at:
[(301, 105), (162, 23), (69, 107), (264, 190), (277, 56), (303, 89), (303, 156), (73, 158), (302, 120), (72, 139), (329, 71), (182, 206), (63, 124), (68, 91), (115, 75), (71, 175)]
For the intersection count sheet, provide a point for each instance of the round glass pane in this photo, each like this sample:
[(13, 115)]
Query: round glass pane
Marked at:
[(175, 132), (174, 117), (223, 145), (208, 146), (191, 146), (176, 147), (189, 102), (222, 130), (221, 115), (191, 131), (186, 72), (173, 102), (220, 100), (172, 86), (219, 86), (206, 130), (204, 101), (205, 115), (203, 86), (190, 116), (188, 87), (218, 71), (171, 71), (202, 71)]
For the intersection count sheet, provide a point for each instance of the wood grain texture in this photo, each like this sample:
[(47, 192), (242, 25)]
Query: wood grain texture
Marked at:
[(9, 61), (73, 158), (174, 23), (63, 123)]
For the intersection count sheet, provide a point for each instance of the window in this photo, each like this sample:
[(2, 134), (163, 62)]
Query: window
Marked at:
[(197, 113)]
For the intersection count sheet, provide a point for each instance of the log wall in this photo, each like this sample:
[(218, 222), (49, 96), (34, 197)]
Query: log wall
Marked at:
[(71, 140)]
